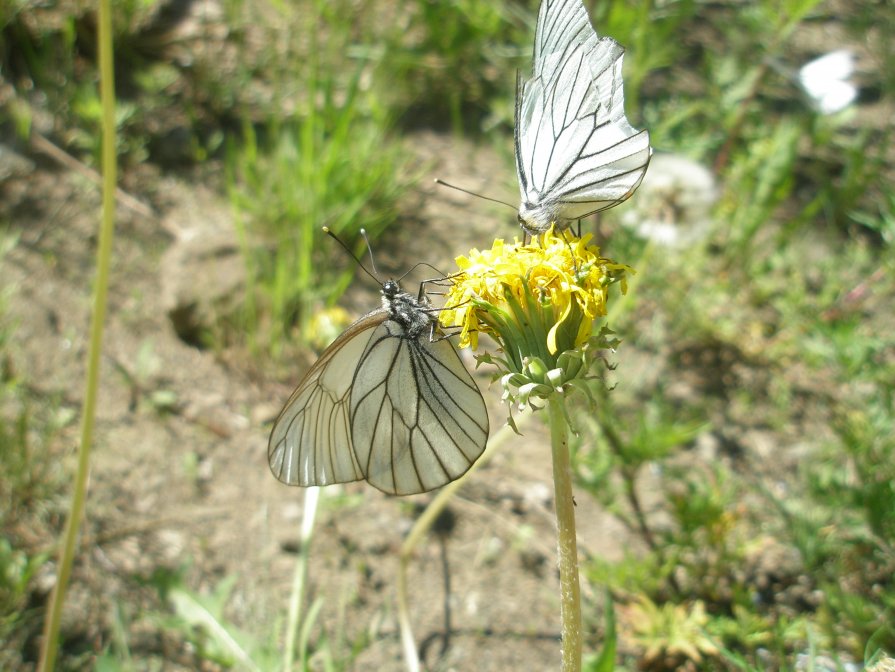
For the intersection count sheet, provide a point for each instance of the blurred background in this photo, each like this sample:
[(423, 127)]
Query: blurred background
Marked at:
[(735, 488)]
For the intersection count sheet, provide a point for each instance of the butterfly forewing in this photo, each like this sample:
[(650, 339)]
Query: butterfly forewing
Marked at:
[(417, 418), (576, 153), (311, 439)]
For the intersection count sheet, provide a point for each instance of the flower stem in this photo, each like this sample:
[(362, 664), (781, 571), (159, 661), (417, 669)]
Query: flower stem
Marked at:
[(570, 594)]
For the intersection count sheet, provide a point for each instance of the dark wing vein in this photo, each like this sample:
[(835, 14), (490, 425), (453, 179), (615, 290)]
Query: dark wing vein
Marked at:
[(426, 373)]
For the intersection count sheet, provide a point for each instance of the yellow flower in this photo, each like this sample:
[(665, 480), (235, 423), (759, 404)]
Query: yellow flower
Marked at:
[(326, 325), (539, 301), (568, 279)]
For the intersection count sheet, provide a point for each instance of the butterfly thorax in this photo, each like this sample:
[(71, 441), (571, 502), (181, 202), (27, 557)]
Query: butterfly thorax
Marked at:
[(404, 309)]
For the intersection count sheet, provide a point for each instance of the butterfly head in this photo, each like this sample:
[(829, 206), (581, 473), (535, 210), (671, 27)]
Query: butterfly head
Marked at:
[(390, 289)]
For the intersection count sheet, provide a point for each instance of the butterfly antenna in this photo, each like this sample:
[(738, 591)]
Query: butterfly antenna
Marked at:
[(441, 276), (351, 254), (363, 234), (472, 193)]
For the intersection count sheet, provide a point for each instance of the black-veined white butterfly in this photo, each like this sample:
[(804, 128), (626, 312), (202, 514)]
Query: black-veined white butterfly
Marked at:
[(389, 402), (576, 153)]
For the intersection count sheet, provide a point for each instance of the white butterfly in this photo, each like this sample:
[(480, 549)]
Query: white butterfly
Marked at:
[(826, 80), (576, 153), (388, 402)]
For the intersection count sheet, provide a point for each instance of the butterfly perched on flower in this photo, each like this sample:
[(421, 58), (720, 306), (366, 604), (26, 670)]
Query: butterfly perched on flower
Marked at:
[(389, 402), (576, 153)]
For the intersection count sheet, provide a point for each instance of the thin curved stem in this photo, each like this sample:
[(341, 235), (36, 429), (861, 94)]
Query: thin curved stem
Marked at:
[(299, 580), (53, 617), (419, 529)]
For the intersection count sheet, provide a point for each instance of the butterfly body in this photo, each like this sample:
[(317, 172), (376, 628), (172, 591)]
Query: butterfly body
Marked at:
[(406, 311), (576, 152), (388, 402)]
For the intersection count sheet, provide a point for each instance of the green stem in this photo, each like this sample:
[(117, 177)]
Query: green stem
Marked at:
[(104, 255), (570, 593)]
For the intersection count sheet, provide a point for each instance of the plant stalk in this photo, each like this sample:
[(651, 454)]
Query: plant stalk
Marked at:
[(570, 592), (422, 525), (53, 618)]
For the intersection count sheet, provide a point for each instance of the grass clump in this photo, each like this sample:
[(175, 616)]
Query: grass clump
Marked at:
[(330, 167), (31, 481)]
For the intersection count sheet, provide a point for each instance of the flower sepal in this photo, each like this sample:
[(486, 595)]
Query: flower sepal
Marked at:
[(536, 382)]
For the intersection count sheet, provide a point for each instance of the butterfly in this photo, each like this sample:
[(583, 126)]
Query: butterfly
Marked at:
[(826, 80), (576, 153), (389, 402)]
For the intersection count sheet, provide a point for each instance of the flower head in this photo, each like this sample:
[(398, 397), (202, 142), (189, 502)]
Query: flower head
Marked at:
[(540, 302)]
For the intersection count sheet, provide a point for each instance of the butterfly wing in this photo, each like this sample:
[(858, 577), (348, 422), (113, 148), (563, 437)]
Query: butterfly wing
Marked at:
[(576, 152), (310, 443), (418, 420)]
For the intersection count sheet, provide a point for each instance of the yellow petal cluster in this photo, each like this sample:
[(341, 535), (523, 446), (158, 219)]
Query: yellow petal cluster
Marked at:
[(564, 274)]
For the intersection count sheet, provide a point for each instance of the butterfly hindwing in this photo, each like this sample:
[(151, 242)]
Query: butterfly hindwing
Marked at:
[(417, 418)]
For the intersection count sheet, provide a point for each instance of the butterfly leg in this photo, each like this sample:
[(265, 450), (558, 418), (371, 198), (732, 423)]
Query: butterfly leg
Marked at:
[(442, 281)]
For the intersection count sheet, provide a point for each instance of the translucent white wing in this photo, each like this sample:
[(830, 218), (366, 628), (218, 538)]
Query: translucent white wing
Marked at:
[(576, 152), (311, 439), (418, 420)]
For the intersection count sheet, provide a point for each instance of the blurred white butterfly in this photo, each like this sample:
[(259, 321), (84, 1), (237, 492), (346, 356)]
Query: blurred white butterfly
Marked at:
[(576, 153), (825, 80), (388, 402)]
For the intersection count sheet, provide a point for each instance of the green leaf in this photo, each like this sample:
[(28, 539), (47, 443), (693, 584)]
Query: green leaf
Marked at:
[(205, 612), (605, 662)]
